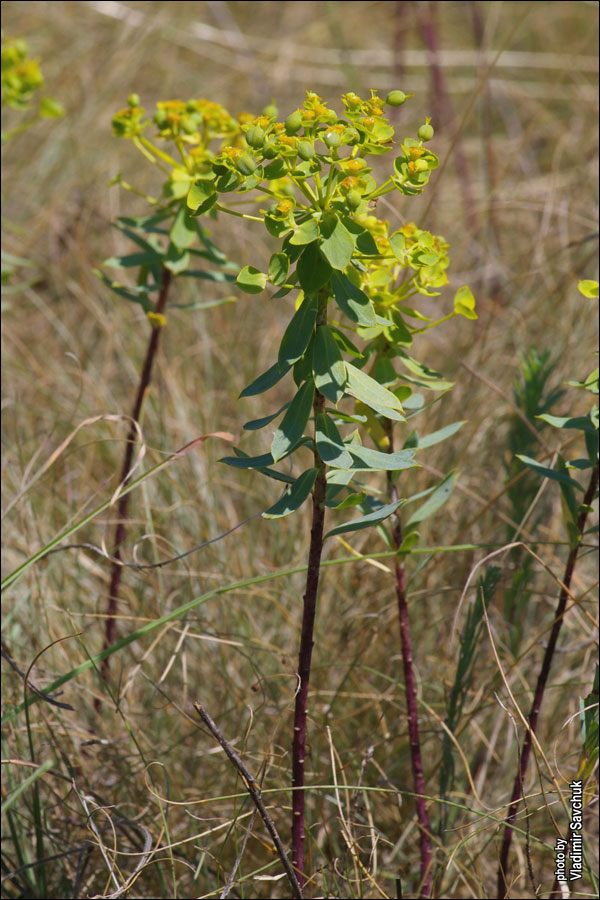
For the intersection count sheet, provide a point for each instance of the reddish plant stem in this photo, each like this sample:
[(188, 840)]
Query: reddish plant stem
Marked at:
[(123, 504), (410, 689), (517, 793), (307, 640)]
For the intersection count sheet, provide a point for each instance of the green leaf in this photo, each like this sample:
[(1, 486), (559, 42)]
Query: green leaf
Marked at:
[(588, 288), (305, 233), (176, 260), (132, 260), (270, 473), (294, 422), (328, 366), (297, 335), (365, 242), (251, 280), (464, 303), (437, 436), (242, 461), (134, 295), (581, 423), (349, 501), (279, 266), (294, 496), (204, 304), (201, 197), (266, 380), (183, 231), (547, 472), (312, 269), (371, 393), (437, 499), (337, 245), (256, 424), (352, 301), (376, 461), (330, 444), (372, 518)]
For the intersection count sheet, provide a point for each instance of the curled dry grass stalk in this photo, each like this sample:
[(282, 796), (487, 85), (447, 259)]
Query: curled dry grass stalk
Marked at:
[(68, 356)]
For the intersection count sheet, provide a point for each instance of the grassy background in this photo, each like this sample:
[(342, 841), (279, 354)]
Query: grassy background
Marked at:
[(517, 199)]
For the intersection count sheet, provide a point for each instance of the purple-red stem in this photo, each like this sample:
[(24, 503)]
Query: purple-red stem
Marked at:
[(123, 504), (306, 639), (517, 793), (410, 689)]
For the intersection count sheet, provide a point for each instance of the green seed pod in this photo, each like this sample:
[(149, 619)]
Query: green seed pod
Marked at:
[(293, 123), (421, 164), (133, 100), (396, 98), (160, 118), (269, 151), (245, 164), (425, 132), (332, 140), (354, 199), (270, 111), (255, 136), (306, 150), (189, 124)]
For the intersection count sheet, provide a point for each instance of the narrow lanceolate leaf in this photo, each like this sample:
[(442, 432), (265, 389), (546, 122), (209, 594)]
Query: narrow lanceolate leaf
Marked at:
[(294, 496), (266, 380), (256, 424), (183, 232), (371, 393), (436, 499), (294, 422), (581, 423), (328, 366), (436, 437), (331, 445), (312, 269), (464, 303), (547, 472), (352, 301), (298, 333), (337, 244), (372, 518), (251, 280), (366, 458)]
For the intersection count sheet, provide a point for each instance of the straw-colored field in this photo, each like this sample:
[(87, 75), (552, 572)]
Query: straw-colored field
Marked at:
[(138, 800)]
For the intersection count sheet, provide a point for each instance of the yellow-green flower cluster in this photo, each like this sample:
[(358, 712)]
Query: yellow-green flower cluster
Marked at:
[(21, 76)]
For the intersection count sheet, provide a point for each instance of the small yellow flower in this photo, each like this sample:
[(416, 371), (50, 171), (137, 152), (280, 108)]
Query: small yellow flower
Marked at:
[(157, 320)]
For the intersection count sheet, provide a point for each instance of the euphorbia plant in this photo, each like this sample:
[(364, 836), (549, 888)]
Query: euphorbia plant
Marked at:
[(171, 242), (351, 324)]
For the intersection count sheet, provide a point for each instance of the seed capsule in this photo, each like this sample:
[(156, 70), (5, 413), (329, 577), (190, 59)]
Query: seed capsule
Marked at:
[(255, 136), (425, 132), (306, 150), (396, 98), (293, 123), (245, 164)]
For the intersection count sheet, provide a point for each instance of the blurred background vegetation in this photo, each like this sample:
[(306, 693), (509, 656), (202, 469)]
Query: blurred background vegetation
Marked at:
[(512, 91)]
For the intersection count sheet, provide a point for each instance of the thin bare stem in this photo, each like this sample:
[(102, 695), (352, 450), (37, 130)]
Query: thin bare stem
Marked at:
[(255, 793), (123, 504), (412, 710), (517, 794), (306, 639)]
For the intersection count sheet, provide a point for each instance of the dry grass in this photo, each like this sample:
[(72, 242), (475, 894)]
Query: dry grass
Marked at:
[(72, 351)]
